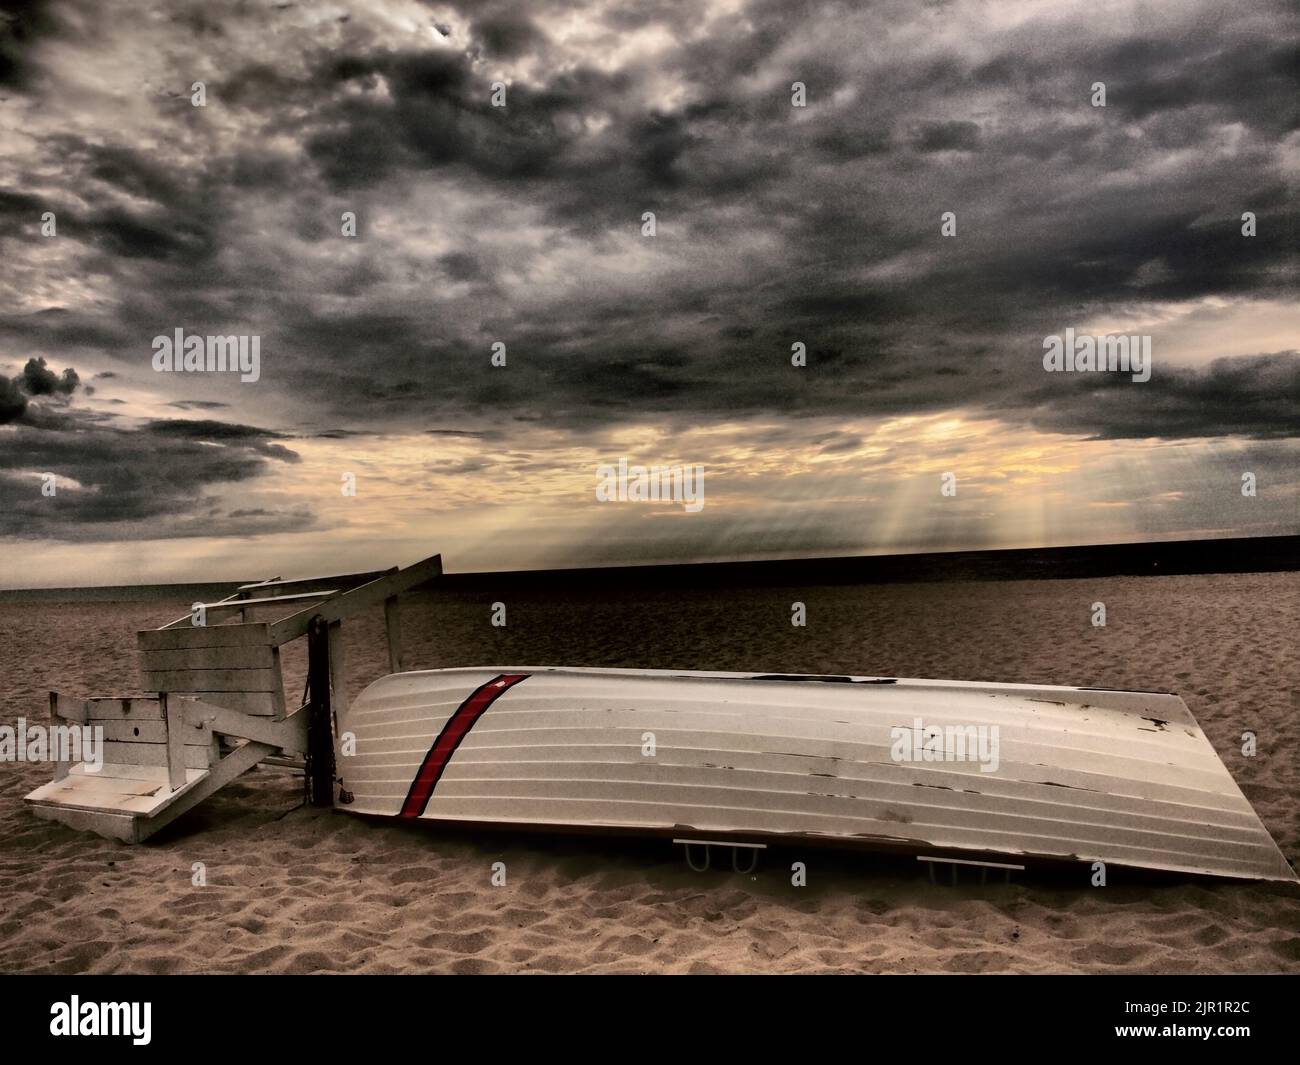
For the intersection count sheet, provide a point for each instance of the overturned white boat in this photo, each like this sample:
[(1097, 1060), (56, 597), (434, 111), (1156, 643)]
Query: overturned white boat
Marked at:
[(935, 768)]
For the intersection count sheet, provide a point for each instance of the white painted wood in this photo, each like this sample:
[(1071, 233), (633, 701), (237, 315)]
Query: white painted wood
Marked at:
[(154, 754), (209, 680), (152, 732), (244, 589), (128, 708), (235, 670), (257, 704), (338, 670), (105, 802), (108, 825), (347, 603), (117, 789), (60, 765), (68, 708), (90, 784), (188, 620), (157, 774), (132, 802), (255, 632), (290, 734), (344, 580), (235, 606), (278, 707), (174, 716), (245, 656)]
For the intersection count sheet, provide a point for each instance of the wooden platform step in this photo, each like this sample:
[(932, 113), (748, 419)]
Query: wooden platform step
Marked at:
[(112, 802), (131, 803), (125, 788), (132, 797), (111, 826)]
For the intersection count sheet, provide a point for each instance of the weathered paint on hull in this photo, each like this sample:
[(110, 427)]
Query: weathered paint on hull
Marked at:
[(1082, 774)]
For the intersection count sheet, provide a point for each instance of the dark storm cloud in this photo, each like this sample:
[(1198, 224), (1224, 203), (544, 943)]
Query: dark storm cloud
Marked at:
[(776, 224), (17, 207), (210, 430), (461, 266), (139, 216), (142, 209), (437, 113), (56, 328), (947, 137), (1151, 76), (198, 404), (245, 437), (24, 24), (37, 379), (154, 483), (837, 441), (507, 34), (736, 148), (1249, 396), (12, 402)]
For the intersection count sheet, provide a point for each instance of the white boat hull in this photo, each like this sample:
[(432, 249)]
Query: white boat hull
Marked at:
[(1086, 775)]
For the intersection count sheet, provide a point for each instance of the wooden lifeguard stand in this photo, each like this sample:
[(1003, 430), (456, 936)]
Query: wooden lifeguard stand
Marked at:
[(216, 673)]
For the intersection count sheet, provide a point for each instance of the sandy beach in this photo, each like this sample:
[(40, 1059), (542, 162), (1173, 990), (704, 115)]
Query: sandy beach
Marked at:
[(295, 889)]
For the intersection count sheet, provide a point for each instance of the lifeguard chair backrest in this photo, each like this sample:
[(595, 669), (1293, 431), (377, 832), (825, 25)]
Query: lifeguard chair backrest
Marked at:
[(233, 666)]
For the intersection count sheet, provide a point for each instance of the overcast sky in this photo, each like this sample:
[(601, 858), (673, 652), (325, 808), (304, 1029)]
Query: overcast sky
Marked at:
[(522, 225)]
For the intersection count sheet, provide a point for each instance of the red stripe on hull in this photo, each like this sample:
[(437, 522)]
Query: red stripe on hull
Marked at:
[(453, 732)]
